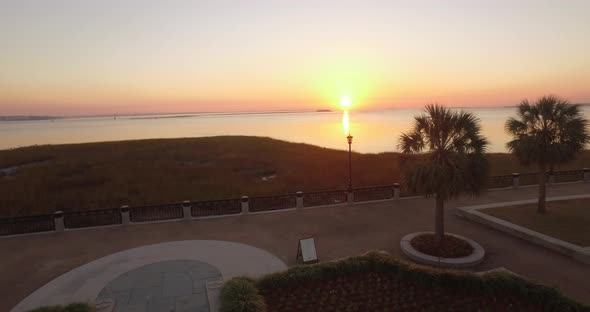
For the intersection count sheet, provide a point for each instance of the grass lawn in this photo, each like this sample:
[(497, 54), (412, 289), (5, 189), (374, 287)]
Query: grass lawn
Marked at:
[(76, 177), (568, 220)]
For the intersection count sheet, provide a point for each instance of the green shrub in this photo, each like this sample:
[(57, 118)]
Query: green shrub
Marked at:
[(491, 284), (240, 294), (72, 307)]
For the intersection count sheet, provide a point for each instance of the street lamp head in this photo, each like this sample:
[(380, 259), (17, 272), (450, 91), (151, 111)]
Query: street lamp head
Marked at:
[(349, 138)]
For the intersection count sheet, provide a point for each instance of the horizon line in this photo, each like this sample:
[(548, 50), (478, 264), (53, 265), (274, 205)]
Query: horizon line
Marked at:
[(241, 112)]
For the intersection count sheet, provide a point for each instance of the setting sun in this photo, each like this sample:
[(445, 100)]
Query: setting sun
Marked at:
[(345, 102)]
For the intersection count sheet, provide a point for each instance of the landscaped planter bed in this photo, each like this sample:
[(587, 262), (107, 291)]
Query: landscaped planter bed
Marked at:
[(563, 225), (377, 292), (457, 251), (565, 219), (379, 282), (450, 246)]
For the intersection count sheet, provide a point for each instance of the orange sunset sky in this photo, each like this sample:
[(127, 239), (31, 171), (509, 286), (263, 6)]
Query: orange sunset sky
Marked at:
[(114, 57)]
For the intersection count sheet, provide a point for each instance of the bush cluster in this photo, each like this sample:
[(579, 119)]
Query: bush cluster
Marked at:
[(241, 294)]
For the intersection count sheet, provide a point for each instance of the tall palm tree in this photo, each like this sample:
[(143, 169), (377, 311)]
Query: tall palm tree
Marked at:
[(549, 132), (451, 158)]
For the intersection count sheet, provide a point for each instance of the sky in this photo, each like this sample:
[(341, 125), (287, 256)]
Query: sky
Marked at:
[(83, 57)]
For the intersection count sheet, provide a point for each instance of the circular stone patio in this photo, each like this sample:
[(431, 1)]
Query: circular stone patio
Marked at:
[(161, 276), (179, 285)]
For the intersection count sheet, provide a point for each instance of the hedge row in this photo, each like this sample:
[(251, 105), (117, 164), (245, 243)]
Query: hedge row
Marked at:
[(244, 295)]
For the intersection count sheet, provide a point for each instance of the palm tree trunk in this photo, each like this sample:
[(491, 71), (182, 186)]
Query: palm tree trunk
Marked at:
[(542, 188), (439, 225)]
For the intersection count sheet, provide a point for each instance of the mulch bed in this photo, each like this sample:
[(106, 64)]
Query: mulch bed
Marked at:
[(450, 247), (380, 292)]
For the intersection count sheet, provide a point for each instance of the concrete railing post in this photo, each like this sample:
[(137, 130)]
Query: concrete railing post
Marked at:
[(515, 179), (586, 175), (58, 219), (186, 210), (245, 205), (299, 200), (550, 177), (350, 197), (125, 219), (396, 192)]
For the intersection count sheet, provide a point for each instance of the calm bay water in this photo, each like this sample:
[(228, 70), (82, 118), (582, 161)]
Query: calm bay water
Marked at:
[(374, 131)]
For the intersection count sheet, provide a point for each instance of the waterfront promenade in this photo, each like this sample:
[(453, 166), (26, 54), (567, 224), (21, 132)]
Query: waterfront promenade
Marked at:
[(28, 262)]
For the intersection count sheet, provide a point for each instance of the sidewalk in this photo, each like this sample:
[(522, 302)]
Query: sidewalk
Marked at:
[(28, 262)]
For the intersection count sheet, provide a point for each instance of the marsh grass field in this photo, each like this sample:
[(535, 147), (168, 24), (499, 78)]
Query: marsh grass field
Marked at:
[(44, 179)]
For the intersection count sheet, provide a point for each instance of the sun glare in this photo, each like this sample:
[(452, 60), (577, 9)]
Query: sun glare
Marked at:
[(345, 102)]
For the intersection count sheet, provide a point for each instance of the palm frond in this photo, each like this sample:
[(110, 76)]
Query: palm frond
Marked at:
[(549, 131), (454, 152)]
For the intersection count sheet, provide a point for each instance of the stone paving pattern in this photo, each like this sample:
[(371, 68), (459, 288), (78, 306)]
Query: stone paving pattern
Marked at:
[(167, 286), (28, 262)]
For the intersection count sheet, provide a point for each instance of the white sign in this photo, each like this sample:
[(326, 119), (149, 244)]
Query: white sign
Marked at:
[(306, 252)]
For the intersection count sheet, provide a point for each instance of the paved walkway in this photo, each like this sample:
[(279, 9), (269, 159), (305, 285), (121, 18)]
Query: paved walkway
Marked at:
[(153, 277), (178, 285), (31, 261)]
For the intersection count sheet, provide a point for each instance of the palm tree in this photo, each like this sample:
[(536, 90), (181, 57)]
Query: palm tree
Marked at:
[(549, 132), (451, 158)]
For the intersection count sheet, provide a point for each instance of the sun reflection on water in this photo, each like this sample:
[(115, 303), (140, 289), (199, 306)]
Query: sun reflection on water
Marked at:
[(345, 122)]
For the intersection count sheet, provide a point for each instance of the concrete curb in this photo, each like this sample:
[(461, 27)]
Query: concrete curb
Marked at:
[(213, 291), (474, 259), (472, 213)]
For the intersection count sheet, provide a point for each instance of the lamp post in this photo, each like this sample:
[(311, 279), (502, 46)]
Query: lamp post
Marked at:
[(349, 139)]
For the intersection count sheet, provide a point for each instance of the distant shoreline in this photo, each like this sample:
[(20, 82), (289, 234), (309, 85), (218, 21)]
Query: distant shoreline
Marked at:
[(27, 118), (159, 115), (219, 113)]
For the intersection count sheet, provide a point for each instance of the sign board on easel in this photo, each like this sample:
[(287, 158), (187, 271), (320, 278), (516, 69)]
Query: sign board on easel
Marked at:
[(306, 252)]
